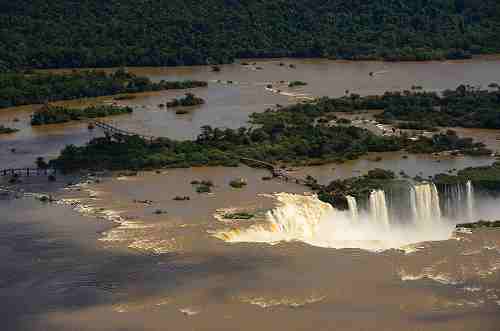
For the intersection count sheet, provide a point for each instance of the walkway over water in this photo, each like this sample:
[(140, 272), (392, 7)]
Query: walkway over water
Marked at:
[(113, 130), (275, 170), (27, 172)]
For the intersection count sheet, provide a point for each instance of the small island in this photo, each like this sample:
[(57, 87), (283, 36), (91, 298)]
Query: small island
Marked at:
[(238, 216), (56, 114), (188, 100), (296, 83)]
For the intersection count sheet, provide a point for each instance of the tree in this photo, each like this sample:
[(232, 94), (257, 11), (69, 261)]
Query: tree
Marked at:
[(41, 163)]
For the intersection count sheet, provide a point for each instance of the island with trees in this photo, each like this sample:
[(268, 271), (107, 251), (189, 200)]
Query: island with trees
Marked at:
[(37, 88), (291, 135), (296, 83), (188, 100), (55, 114)]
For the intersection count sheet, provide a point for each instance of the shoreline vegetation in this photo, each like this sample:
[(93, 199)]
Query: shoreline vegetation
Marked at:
[(300, 134), (479, 224), (7, 130), (486, 177), (18, 89), (55, 114), (219, 31)]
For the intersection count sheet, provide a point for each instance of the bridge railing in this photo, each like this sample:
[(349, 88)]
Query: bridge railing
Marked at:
[(273, 168), (110, 128), (27, 172)]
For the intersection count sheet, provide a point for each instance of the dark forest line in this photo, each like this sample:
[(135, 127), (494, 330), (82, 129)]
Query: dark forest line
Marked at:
[(62, 33)]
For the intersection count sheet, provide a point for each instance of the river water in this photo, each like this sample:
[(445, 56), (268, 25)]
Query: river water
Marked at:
[(102, 258)]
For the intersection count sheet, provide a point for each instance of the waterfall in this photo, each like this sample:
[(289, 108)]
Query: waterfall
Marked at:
[(459, 201), (378, 208), (470, 200), (424, 201), (306, 219), (353, 207)]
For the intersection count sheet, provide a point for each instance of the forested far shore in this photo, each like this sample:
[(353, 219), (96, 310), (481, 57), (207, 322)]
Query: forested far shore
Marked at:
[(98, 33), (18, 89)]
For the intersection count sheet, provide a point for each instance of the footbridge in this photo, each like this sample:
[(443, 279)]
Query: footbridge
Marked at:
[(27, 172), (275, 170), (110, 129)]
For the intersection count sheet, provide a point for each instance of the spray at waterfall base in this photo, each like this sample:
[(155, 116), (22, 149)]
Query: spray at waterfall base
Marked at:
[(392, 218)]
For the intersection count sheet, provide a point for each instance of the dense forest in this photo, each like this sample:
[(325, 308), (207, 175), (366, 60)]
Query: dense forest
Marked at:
[(94, 33), (34, 88), (300, 134)]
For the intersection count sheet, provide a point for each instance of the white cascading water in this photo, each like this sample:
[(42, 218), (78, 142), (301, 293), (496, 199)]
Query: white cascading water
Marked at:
[(295, 218), (353, 208), (459, 202), (470, 200), (378, 208), (307, 219), (424, 202)]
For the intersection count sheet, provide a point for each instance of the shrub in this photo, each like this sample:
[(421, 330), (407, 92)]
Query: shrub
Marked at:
[(238, 183)]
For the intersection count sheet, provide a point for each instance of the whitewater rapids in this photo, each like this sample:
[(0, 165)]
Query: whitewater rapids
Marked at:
[(306, 219)]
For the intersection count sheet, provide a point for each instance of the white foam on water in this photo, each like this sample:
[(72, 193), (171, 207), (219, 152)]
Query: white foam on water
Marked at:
[(442, 278), (291, 302), (189, 311)]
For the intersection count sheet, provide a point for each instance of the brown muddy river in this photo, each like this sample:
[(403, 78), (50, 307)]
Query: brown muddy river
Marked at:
[(103, 257)]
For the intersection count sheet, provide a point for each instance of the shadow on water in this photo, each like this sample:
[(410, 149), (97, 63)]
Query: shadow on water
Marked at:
[(52, 262)]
